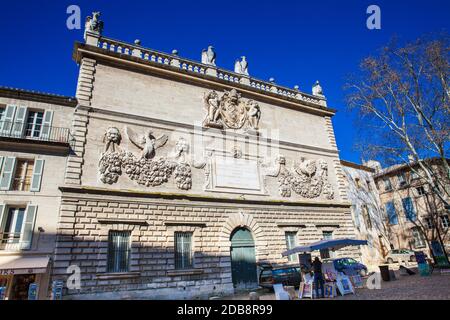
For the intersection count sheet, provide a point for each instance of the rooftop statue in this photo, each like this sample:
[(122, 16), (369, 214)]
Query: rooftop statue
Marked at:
[(317, 89), (209, 56), (241, 66), (94, 24)]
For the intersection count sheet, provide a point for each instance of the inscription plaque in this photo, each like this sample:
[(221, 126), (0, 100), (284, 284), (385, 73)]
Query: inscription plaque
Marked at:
[(237, 173)]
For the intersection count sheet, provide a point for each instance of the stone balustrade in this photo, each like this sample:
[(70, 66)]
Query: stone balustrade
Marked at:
[(197, 67)]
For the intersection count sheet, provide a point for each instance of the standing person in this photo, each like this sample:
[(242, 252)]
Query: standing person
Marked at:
[(318, 277)]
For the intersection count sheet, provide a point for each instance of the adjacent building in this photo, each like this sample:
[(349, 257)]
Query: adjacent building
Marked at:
[(35, 142), (368, 214), (413, 211)]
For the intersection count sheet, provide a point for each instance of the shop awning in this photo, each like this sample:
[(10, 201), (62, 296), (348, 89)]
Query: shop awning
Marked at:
[(10, 265), (332, 244)]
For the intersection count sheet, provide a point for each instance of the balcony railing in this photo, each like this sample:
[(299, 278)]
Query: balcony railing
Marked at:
[(9, 240), (38, 132)]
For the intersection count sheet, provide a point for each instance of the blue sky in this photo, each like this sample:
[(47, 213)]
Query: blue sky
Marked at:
[(296, 42)]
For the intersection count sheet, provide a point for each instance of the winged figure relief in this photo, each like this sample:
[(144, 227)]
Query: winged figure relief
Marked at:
[(147, 142)]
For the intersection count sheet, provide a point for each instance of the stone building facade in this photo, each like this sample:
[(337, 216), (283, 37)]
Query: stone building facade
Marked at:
[(34, 145), (183, 177), (413, 212), (369, 216)]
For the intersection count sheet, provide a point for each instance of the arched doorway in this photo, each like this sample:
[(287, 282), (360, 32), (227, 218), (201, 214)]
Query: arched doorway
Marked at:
[(243, 259)]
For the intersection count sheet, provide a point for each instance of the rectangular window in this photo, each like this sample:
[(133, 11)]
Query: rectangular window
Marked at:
[(408, 207), (445, 221), (420, 191), (12, 229), (118, 251), (419, 242), (392, 215), (358, 183), (291, 242), (34, 124), (326, 253), (428, 222), (183, 250), (367, 218), (387, 184), (23, 175), (401, 180), (2, 112)]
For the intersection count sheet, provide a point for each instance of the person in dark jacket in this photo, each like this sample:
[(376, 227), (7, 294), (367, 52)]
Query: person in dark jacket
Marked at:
[(318, 277)]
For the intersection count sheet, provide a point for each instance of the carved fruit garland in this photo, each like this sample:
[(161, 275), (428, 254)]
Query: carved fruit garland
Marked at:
[(144, 169)]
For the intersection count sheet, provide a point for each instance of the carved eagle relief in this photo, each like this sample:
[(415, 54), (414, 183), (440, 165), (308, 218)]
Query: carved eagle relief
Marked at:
[(146, 142)]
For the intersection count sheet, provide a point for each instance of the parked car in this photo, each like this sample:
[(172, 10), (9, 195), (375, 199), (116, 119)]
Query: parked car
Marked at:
[(349, 266), (286, 275), (400, 255)]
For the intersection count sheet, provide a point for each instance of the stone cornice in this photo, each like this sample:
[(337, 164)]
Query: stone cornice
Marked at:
[(29, 95), (82, 50), (197, 197)]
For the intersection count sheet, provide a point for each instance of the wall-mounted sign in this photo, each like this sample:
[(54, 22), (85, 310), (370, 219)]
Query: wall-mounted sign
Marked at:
[(57, 289), (33, 291), (2, 293)]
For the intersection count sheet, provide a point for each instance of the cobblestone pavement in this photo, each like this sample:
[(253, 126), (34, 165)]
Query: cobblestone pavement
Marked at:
[(415, 287)]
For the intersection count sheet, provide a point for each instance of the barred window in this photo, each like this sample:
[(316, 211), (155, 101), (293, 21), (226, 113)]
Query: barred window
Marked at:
[(183, 250), (291, 243), (119, 251)]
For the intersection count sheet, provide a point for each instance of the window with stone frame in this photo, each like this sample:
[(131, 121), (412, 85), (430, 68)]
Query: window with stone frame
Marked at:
[(418, 239), (23, 175), (401, 177), (327, 253), (291, 242), (387, 184), (369, 186), (408, 208), (2, 112), (420, 190), (391, 213), (119, 251), (358, 183), (183, 250), (445, 220), (367, 218), (428, 222)]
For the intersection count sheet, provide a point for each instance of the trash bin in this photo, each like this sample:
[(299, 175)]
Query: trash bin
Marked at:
[(385, 273)]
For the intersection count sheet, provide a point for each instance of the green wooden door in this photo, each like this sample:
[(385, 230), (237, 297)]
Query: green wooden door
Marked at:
[(243, 260)]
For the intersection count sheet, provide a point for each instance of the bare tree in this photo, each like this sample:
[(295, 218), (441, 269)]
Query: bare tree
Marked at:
[(402, 97)]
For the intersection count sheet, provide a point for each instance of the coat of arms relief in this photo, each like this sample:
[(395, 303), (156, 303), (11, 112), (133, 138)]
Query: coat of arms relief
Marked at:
[(145, 168), (308, 178), (230, 111)]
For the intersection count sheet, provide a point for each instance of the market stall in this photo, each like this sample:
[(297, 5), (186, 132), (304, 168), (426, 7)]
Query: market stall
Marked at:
[(334, 281)]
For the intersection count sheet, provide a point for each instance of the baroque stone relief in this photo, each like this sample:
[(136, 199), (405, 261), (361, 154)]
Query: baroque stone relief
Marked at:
[(309, 178), (230, 111), (145, 168)]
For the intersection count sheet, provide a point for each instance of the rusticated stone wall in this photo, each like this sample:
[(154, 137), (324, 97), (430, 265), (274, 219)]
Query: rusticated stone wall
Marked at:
[(87, 219)]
